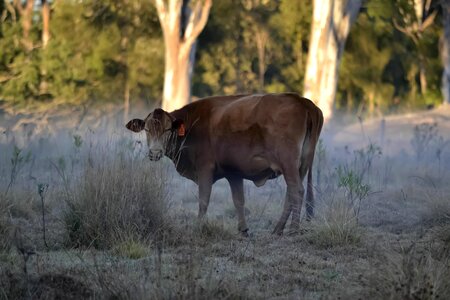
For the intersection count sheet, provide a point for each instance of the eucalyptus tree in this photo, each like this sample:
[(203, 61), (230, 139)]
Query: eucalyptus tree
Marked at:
[(181, 22), (331, 24)]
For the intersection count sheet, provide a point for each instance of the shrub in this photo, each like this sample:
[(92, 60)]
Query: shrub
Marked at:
[(131, 248), (116, 198), (337, 226)]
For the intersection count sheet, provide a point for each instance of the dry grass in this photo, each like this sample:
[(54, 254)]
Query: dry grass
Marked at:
[(336, 226), (5, 228), (115, 202), (411, 272), (132, 248), (436, 206), (127, 237)]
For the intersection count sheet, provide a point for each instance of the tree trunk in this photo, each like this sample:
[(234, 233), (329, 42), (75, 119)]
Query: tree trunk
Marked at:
[(43, 85), (445, 53), (423, 77), (181, 26), (350, 101), (177, 87), (371, 107), (26, 17), (126, 99), (331, 24), (261, 41), (45, 23)]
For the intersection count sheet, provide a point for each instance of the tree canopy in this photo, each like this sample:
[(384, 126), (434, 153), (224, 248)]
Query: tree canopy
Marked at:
[(103, 50)]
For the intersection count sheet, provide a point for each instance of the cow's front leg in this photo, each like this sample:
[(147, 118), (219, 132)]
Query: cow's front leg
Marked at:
[(237, 193), (204, 192)]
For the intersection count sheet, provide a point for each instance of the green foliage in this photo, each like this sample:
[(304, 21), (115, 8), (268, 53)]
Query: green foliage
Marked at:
[(111, 50), (100, 50), (380, 66), (354, 178), (353, 184), (229, 51)]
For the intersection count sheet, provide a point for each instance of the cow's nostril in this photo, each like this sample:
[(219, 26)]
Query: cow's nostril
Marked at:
[(155, 154)]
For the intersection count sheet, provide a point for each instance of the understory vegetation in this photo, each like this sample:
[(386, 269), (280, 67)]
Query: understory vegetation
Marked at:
[(96, 219)]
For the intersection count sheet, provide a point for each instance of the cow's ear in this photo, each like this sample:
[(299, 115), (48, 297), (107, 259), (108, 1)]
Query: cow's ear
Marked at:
[(136, 125), (178, 125)]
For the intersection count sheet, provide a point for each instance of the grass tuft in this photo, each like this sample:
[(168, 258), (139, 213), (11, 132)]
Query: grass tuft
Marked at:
[(212, 230), (338, 226), (113, 199), (131, 248)]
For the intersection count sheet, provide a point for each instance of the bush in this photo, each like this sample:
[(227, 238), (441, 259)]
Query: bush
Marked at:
[(337, 227), (115, 200)]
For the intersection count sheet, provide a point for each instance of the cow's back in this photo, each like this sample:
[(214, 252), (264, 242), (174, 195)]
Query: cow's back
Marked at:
[(273, 112)]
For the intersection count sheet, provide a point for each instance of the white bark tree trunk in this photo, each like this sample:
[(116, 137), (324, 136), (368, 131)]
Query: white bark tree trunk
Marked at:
[(179, 48), (26, 16), (331, 24), (45, 37), (446, 52), (45, 23)]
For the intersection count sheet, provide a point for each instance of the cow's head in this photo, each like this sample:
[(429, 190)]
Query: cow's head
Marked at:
[(159, 127)]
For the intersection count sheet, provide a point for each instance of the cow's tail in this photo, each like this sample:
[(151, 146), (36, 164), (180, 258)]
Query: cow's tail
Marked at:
[(313, 137)]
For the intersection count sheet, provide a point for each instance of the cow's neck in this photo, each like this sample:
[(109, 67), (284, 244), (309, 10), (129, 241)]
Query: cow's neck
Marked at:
[(174, 146)]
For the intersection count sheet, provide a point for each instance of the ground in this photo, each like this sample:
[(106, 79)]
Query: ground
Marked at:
[(120, 226)]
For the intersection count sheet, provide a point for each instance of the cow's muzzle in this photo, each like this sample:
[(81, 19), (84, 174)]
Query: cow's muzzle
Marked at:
[(155, 155)]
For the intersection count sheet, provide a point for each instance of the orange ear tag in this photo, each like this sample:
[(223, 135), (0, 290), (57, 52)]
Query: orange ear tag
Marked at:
[(181, 130)]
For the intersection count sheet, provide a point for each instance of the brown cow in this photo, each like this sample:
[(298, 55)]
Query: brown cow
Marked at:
[(254, 137)]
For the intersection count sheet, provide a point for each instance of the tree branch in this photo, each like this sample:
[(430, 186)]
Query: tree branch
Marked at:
[(405, 30), (197, 22), (18, 5), (161, 8), (174, 19), (11, 10), (428, 21)]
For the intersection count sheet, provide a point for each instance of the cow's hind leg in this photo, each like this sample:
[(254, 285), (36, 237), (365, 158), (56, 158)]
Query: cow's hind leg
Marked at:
[(237, 192), (306, 164), (296, 208), (293, 201)]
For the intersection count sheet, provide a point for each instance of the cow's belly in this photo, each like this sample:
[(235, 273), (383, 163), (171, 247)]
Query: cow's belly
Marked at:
[(257, 168)]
